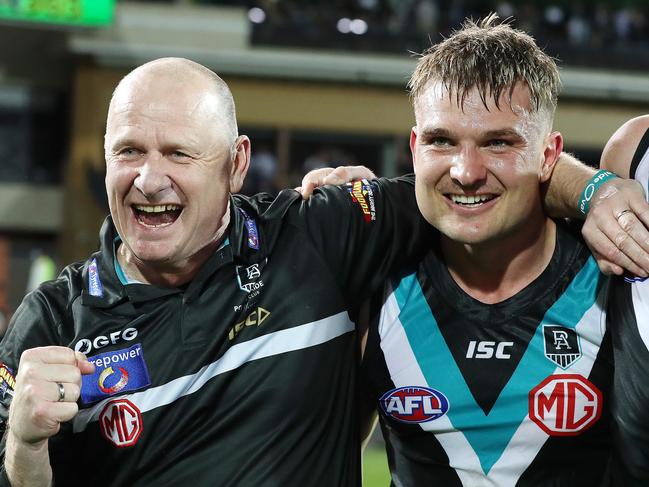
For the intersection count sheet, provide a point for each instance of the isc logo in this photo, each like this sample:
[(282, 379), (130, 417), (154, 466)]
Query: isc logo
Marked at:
[(565, 405), (121, 423), (414, 404), (488, 349)]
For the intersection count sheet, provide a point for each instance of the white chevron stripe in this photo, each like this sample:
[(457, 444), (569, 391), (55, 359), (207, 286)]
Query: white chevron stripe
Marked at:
[(642, 173), (405, 371), (292, 339), (640, 290), (527, 440)]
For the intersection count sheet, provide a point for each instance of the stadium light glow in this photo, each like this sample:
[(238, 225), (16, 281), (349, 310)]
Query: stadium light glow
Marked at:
[(358, 26), (256, 15), (344, 25)]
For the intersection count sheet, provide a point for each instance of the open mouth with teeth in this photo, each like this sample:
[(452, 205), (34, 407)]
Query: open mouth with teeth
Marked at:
[(156, 215), (470, 201)]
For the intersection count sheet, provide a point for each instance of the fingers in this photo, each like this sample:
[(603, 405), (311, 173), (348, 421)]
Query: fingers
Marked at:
[(52, 373), (340, 175), (613, 249), (607, 265), (314, 179), (609, 269), (84, 366), (48, 417), (307, 189), (71, 391), (51, 355), (346, 174), (48, 385), (615, 229), (632, 238)]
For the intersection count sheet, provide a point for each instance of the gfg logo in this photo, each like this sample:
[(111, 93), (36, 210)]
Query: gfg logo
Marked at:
[(565, 405), (86, 346), (414, 404)]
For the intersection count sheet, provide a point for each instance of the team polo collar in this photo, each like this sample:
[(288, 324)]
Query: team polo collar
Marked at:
[(248, 242)]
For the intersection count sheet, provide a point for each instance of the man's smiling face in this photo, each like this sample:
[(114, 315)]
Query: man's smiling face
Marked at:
[(168, 161), (478, 167)]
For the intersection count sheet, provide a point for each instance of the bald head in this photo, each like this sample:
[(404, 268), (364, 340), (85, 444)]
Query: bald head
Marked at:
[(173, 77)]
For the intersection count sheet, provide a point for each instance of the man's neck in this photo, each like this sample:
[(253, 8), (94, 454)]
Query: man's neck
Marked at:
[(162, 275), (494, 271), (171, 274)]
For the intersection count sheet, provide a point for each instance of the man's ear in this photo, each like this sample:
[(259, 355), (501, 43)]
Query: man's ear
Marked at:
[(551, 153), (240, 163), (413, 148)]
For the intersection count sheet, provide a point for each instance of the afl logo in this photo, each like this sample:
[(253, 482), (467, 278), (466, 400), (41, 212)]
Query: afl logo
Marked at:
[(414, 404)]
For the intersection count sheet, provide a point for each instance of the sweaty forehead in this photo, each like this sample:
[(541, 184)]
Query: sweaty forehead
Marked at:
[(436, 96)]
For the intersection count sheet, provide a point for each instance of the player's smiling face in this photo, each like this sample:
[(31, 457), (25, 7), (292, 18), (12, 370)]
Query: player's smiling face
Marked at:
[(479, 168), (167, 170)]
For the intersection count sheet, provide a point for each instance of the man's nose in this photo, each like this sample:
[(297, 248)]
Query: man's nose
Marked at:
[(468, 168), (152, 179)]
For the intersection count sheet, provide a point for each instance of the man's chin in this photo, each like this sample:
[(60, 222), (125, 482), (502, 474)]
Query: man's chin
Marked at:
[(153, 255), (464, 236)]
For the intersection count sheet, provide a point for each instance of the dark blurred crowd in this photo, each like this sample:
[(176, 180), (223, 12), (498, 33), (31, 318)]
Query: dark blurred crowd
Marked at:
[(577, 22), (575, 31)]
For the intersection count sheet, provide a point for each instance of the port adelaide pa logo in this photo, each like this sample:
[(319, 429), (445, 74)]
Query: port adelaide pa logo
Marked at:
[(561, 345), (249, 277), (414, 404)]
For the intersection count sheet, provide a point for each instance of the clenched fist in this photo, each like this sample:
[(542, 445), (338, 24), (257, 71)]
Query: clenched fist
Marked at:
[(40, 404)]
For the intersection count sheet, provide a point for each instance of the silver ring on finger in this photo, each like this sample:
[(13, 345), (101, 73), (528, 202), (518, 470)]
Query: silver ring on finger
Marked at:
[(61, 392), (619, 215)]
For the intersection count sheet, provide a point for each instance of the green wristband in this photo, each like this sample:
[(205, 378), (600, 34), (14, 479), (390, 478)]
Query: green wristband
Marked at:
[(593, 183)]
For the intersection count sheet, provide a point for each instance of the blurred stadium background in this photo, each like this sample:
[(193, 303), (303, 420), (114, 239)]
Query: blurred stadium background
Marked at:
[(316, 83)]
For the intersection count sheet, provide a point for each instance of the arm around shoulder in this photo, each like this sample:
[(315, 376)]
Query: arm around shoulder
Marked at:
[(618, 153)]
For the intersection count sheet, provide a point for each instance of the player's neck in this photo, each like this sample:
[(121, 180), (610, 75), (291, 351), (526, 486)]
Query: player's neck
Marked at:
[(494, 271)]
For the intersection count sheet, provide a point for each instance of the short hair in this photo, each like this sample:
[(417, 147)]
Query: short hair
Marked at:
[(491, 57)]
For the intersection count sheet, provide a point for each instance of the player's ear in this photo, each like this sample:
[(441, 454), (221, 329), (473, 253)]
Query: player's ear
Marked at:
[(551, 153), (413, 147)]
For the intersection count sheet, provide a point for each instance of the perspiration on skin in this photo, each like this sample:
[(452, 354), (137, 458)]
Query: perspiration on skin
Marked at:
[(479, 150), (172, 159)]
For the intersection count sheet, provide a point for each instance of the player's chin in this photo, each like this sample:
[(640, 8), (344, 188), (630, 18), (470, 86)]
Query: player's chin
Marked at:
[(466, 232)]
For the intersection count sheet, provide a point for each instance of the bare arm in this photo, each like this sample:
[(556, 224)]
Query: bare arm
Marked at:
[(562, 191), (626, 236), (618, 238), (620, 148), (27, 464)]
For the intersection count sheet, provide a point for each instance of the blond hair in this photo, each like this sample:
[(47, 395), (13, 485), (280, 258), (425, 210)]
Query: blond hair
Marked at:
[(491, 57)]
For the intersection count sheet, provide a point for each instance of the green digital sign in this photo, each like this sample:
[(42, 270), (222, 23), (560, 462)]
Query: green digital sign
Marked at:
[(69, 12)]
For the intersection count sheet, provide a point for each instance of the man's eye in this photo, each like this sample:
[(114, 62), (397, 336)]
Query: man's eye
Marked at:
[(178, 154), (440, 142), (498, 143), (128, 152)]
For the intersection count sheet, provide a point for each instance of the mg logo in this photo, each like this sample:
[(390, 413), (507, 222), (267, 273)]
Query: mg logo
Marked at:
[(565, 405), (121, 423)]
